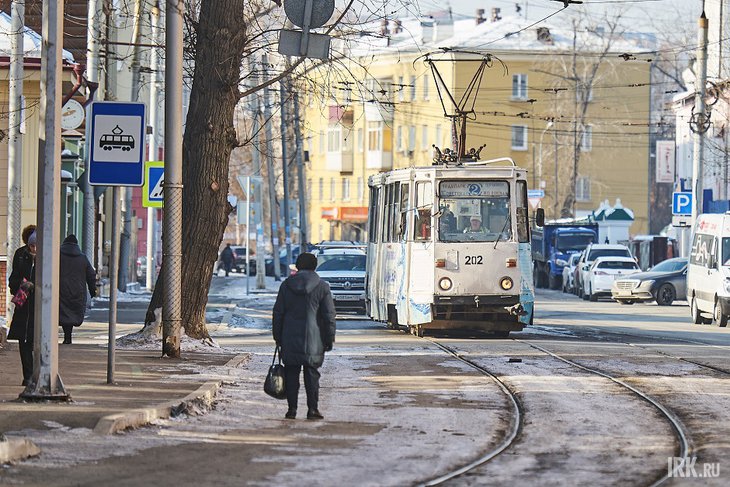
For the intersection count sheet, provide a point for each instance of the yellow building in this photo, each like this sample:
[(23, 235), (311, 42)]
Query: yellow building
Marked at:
[(385, 111)]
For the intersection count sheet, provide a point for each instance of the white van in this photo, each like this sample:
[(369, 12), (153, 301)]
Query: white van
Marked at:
[(708, 273)]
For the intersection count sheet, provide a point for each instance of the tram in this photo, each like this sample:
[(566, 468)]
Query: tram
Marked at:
[(449, 248)]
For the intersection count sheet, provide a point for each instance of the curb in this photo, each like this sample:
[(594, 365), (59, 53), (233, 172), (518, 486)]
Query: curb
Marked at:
[(13, 449), (200, 399)]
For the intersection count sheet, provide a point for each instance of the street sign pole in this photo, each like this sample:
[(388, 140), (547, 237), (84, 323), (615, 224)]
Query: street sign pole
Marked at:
[(248, 191), (46, 382), (113, 276)]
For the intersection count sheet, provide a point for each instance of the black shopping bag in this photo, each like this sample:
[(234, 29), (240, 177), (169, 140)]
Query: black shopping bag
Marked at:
[(275, 386)]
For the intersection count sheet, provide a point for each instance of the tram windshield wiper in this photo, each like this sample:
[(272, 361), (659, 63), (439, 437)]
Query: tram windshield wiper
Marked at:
[(506, 222)]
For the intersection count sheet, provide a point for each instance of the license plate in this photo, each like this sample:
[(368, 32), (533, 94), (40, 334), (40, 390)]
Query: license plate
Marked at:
[(347, 297)]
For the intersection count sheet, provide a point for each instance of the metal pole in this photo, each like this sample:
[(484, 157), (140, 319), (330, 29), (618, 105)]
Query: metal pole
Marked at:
[(285, 169), (15, 140), (256, 161), (303, 232), (274, 210), (46, 382), (92, 76), (113, 276), (173, 187), (154, 143), (698, 119), (248, 235)]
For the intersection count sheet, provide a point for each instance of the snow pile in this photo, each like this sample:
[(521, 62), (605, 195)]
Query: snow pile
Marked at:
[(142, 341)]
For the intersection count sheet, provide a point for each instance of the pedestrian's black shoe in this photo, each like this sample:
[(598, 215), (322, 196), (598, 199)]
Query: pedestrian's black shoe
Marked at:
[(67, 341), (314, 414), (291, 414)]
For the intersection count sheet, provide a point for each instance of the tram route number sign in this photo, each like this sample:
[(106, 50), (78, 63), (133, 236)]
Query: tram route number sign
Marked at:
[(117, 148), (473, 189)]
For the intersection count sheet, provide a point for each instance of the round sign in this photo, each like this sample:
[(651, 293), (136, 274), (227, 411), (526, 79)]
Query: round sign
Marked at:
[(72, 115), (321, 12)]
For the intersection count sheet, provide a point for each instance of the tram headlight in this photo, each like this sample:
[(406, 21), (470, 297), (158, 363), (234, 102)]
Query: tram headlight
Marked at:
[(506, 283), (445, 283)]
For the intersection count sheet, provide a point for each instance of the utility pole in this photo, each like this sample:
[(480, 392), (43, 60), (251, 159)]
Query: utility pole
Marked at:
[(125, 261), (15, 140), (46, 382), (303, 232), (274, 211), (257, 196), (574, 181), (92, 77), (173, 186), (285, 172), (154, 142), (700, 122)]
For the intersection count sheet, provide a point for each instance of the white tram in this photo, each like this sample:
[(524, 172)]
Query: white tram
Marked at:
[(449, 248)]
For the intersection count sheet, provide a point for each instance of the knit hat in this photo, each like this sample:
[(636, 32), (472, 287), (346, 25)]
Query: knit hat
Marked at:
[(306, 262), (32, 239), (71, 239)]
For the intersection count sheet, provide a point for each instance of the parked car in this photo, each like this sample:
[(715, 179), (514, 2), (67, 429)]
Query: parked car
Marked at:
[(344, 270), (295, 251), (603, 272), (663, 283), (339, 244), (589, 255), (708, 272), (569, 272)]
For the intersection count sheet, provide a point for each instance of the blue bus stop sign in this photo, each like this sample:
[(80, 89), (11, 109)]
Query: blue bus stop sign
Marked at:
[(117, 143)]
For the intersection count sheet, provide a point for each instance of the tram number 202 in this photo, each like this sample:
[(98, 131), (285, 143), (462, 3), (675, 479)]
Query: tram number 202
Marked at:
[(473, 260)]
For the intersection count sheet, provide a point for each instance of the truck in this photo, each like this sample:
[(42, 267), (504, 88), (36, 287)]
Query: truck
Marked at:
[(552, 246)]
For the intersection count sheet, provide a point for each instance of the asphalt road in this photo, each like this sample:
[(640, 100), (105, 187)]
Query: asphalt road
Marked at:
[(400, 410)]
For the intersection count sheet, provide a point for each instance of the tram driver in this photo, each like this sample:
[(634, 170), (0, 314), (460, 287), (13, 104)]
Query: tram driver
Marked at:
[(475, 225)]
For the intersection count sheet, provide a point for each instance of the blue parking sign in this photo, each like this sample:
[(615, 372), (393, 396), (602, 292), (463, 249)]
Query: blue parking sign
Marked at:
[(682, 203)]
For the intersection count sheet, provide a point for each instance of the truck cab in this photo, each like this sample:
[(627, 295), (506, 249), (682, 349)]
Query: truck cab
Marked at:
[(552, 247)]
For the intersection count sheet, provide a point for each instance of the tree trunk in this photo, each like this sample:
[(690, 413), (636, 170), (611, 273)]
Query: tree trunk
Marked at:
[(207, 144)]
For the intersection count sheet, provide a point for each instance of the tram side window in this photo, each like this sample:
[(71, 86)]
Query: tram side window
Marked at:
[(402, 231), (424, 203), (394, 213), (373, 216), (385, 226), (523, 226)]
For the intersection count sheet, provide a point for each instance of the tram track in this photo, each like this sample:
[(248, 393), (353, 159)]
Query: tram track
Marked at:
[(685, 444), (685, 447), (516, 421)]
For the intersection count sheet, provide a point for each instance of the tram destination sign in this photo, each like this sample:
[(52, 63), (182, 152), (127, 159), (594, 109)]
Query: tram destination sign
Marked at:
[(473, 189)]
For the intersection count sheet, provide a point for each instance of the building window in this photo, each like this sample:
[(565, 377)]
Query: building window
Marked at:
[(360, 146), (309, 189), (346, 189), (333, 189), (348, 95), (321, 189), (439, 143), (519, 137), (411, 138), (375, 136), (360, 188), (321, 142), (401, 89), (586, 140), (334, 138), (583, 188), (399, 139), (424, 137), (519, 86), (413, 88), (426, 81)]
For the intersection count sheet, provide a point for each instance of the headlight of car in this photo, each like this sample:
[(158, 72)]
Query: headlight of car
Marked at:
[(561, 262), (646, 284)]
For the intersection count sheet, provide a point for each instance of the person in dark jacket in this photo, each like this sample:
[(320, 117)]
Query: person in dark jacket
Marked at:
[(77, 275), (304, 326), (227, 258), (23, 323)]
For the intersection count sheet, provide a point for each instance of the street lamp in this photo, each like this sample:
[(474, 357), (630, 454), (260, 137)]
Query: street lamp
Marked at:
[(539, 165)]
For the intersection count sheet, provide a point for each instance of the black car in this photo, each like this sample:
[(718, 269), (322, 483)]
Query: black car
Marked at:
[(662, 283), (239, 259)]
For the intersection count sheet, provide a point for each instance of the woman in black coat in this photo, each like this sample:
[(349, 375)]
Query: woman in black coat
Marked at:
[(23, 324), (304, 325), (77, 275)]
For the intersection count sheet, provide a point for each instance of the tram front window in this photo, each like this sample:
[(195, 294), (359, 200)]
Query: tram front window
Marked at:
[(474, 211)]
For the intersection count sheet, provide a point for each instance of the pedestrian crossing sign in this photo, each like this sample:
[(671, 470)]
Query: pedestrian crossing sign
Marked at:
[(154, 179)]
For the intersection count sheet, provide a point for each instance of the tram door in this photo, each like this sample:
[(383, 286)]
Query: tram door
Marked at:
[(421, 263)]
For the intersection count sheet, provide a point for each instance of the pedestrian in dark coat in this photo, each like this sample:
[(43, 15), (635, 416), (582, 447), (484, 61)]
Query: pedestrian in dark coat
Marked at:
[(77, 275), (304, 326), (227, 258), (23, 322)]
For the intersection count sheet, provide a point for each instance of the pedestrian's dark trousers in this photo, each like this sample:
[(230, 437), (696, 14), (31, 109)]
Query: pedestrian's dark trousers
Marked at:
[(311, 385), (26, 359), (67, 333)]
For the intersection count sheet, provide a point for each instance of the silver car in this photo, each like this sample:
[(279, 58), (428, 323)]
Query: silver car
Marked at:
[(344, 270), (569, 272)]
